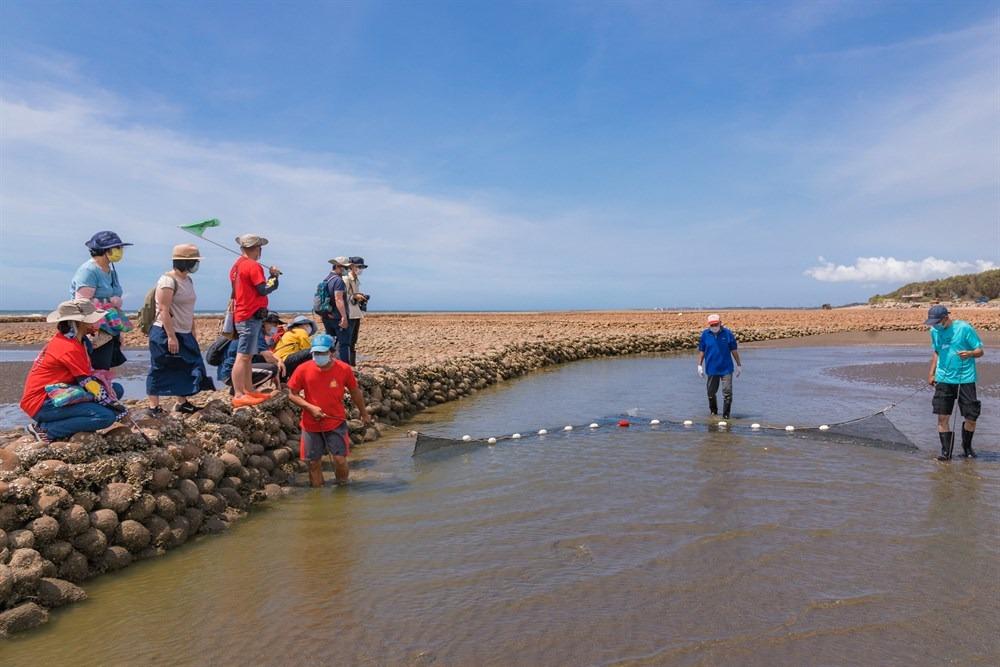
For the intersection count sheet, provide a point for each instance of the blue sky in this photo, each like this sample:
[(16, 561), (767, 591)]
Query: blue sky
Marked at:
[(516, 155)]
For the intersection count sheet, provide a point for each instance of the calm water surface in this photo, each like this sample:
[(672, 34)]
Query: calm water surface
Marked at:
[(607, 548)]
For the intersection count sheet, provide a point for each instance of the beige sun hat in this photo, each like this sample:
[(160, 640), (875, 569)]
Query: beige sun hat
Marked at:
[(341, 261), (76, 310), (251, 240), (186, 251)]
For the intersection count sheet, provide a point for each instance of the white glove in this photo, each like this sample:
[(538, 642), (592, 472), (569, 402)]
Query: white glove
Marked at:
[(739, 369), (701, 371)]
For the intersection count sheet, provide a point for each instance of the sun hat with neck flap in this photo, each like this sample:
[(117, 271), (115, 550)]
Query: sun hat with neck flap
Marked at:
[(76, 310)]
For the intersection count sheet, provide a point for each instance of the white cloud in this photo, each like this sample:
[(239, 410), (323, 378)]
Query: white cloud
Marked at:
[(890, 269)]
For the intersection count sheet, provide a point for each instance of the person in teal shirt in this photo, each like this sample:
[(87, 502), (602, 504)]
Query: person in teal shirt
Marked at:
[(953, 375)]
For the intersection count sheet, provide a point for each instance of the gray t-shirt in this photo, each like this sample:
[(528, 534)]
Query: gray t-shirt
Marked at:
[(182, 308)]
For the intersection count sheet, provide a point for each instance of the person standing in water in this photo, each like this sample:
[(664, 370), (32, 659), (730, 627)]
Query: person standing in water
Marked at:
[(956, 346), (716, 351)]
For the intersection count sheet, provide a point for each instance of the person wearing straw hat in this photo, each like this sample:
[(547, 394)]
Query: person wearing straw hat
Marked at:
[(249, 296), (176, 367), (716, 351), (956, 346), (61, 394), (357, 304), (97, 280)]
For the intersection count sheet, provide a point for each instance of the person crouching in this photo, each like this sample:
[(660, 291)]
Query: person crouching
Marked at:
[(317, 386)]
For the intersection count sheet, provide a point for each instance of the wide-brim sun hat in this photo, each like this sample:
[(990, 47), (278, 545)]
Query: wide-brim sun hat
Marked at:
[(251, 240), (341, 261), (321, 343), (302, 320), (358, 262), (105, 240), (76, 310), (185, 251)]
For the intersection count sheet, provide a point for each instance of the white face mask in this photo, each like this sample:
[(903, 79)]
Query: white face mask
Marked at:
[(194, 267), (715, 328)]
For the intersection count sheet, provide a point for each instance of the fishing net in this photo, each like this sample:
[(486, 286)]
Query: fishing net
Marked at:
[(875, 430)]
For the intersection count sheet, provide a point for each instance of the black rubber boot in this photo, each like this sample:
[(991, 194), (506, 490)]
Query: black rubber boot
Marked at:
[(967, 450), (726, 405), (947, 445), (713, 405)]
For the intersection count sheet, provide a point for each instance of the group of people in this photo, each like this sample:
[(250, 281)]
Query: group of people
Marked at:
[(70, 387), (955, 345)]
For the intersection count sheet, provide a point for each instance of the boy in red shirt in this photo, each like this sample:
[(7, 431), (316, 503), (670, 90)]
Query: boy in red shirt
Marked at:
[(317, 386)]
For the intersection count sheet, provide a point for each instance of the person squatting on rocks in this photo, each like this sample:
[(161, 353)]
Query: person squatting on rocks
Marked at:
[(63, 393), (956, 346), (176, 367), (317, 387), (357, 304), (266, 369), (97, 281), (274, 329), (330, 303), (249, 302), (294, 346), (716, 351)]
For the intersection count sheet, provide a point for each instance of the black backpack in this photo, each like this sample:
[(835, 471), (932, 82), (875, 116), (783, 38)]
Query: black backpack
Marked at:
[(216, 352)]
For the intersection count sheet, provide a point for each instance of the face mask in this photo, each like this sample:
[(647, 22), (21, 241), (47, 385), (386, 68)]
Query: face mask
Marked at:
[(116, 254), (360, 271), (71, 334), (194, 267), (715, 329), (322, 359)]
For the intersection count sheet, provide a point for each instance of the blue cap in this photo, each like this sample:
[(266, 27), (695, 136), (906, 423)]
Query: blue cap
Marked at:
[(935, 315), (105, 241), (322, 343)]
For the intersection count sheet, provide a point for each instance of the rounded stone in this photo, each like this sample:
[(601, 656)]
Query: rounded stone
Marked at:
[(105, 521), (132, 535), (116, 557), (21, 539), (91, 543), (212, 503), (50, 499), (73, 521), (57, 551), (187, 470), (141, 507), (75, 567), (159, 530), (161, 479), (165, 506), (189, 490), (212, 468), (22, 617), (45, 529), (117, 496), (58, 592), (204, 485), (195, 518)]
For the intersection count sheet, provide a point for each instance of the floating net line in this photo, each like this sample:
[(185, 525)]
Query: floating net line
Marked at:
[(872, 430)]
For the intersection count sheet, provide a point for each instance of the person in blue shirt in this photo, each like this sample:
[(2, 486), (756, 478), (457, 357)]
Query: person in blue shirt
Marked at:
[(952, 373), (716, 352)]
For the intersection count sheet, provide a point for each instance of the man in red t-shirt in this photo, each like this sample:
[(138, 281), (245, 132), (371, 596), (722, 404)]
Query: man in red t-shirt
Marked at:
[(249, 298), (317, 386)]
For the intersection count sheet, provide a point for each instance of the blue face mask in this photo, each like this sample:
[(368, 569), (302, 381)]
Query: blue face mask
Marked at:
[(322, 359)]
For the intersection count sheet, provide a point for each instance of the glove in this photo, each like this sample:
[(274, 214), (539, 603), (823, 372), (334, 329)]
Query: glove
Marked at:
[(739, 369), (701, 371)]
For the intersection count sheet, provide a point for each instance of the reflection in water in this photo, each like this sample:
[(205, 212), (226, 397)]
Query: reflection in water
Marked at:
[(591, 548)]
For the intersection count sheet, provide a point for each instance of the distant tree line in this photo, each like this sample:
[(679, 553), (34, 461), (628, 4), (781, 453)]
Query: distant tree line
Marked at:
[(956, 288)]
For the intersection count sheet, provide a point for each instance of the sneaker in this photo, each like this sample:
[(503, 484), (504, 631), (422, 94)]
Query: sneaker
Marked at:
[(246, 400), (156, 412), (40, 433), (186, 408)]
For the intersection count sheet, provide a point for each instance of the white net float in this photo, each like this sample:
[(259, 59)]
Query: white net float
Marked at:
[(542, 432), (516, 436), (594, 425), (492, 441), (789, 428), (654, 422), (755, 426), (824, 427), (567, 428), (688, 422), (466, 438)]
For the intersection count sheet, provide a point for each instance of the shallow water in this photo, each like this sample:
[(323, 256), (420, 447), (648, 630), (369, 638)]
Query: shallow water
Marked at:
[(615, 547)]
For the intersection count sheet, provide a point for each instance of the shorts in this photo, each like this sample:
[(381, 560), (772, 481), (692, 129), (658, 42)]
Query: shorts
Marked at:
[(313, 446), (249, 336), (945, 395)]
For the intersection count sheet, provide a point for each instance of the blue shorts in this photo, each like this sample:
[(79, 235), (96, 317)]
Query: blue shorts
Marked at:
[(249, 336), (313, 446)]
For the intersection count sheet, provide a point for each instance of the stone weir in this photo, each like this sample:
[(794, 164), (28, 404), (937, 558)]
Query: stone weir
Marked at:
[(98, 502)]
